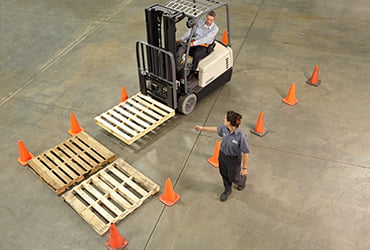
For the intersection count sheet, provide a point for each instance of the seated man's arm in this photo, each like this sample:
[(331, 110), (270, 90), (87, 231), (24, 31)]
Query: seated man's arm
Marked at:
[(186, 35)]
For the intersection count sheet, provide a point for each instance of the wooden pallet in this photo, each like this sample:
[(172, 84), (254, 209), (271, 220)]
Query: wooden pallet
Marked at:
[(110, 195), (70, 161), (134, 118)]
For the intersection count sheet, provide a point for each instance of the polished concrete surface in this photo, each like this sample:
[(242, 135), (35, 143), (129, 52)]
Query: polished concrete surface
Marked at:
[(309, 177)]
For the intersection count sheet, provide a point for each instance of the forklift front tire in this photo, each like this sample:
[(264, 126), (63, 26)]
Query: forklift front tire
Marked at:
[(186, 104)]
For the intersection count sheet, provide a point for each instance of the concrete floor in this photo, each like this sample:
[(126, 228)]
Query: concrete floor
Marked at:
[(309, 177)]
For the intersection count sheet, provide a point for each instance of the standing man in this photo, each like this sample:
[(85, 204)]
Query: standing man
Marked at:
[(203, 36), (233, 157)]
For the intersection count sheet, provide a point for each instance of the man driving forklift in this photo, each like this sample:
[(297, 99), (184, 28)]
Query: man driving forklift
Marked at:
[(202, 41), (164, 66)]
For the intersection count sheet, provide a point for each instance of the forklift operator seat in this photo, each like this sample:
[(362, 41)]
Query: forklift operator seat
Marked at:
[(214, 64)]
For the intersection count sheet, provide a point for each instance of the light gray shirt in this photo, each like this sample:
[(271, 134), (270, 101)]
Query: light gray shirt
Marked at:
[(203, 34)]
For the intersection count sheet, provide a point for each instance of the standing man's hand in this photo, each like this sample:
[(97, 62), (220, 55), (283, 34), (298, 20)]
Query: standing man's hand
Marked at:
[(243, 172), (191, 44), (198, 128), (209, 129)]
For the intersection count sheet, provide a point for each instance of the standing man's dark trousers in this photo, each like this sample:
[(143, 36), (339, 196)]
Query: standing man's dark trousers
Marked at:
[(197, 52), (230, 167)]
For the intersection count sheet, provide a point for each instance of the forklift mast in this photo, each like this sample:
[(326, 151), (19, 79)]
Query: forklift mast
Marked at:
[(162, 37)]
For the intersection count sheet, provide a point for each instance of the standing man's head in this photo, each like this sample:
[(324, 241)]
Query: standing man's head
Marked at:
[(233, 119), (210, 18)]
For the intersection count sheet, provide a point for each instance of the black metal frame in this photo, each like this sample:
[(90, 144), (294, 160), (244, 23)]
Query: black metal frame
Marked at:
[(162, 73)]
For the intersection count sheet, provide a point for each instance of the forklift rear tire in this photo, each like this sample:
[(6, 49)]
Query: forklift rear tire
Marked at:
[(186, 104)]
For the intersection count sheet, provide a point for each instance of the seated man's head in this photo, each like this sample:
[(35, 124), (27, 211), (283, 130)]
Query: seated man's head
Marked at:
[(210, 18)]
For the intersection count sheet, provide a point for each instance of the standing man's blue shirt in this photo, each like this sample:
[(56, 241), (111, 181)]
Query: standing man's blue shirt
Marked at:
[(233, 143)]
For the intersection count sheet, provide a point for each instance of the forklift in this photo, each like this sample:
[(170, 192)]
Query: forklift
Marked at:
[(163, 72)]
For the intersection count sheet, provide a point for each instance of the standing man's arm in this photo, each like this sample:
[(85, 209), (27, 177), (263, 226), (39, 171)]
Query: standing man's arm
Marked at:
[(209, 129), (244, 170)]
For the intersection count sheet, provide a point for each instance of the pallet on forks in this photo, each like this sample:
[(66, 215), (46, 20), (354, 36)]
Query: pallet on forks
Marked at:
[(135, 117)]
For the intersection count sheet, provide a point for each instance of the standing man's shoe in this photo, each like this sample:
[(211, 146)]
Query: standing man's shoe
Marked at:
[(241, 187), (224, 196)]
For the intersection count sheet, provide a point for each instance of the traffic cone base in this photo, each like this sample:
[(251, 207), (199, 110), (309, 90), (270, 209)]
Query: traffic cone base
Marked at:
[(116, 240), (260, 128), (265, 130), (213, 160), (24, 154), (290, 102), (24, 162), (75, 127), (169, 197), (169, 203), (313, 84), (70, 131), (124, 244)]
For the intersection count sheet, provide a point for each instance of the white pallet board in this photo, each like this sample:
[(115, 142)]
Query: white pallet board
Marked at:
[(134, 117), (110, 195)]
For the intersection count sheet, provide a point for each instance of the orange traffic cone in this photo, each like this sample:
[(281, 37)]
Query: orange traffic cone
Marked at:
[(116, 240), (314, 80), (260, 129), (214, 158), (290, 99), (25, 156), (169, 197), (124, 95), (225, 39), (75, 127)]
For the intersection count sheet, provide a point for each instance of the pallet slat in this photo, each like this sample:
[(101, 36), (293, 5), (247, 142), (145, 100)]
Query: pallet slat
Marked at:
[(54, 169), (62, 166), (47, 175), (113, 194), (135, 117), (153, 107), (131, 117), (110, 195), (70, 161), (104, 199), (158, 104), (111, 129), (144, 109), (116, 122), (123, 191), (81, 155), (140, 113), (129, 182), (125, 120)]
